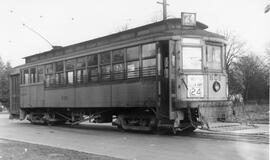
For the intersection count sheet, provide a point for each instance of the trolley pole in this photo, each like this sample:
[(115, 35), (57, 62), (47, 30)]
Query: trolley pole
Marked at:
[(32, 30), (164, 4)]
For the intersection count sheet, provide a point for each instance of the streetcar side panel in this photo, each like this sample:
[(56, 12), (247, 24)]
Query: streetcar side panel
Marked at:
[(32, 96), (93, 96)]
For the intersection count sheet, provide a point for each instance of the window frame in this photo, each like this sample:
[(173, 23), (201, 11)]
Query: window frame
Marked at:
[(24, 79), (202, 58), (119, 75), (40, 79), (90, 67), (137, 60), (32, 77), (49, 76), (82, 69), (59, 75), (221, 57), (145, 72)]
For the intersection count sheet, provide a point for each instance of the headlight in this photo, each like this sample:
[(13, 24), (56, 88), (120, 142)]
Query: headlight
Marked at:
[(216, 86)]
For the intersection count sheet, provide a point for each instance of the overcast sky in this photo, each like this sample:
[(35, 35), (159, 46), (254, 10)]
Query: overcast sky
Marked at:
[(65, 22)]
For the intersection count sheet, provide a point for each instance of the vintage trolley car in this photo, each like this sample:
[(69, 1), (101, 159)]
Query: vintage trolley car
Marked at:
[(158, 75)]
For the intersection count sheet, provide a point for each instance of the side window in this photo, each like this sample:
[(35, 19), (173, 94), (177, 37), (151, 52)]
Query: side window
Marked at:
[(49, 76), (59, 66), (118, 64), (149, 50), (25, 78), (92, 67), (70, 66), (105, 58), (149, 60), (33, 74), (40, 74), (133, 62), (213, 57), (59, 73), (81, 73), (149, 67), (105, 65), (49, 68), (105, 72), (92, 60)]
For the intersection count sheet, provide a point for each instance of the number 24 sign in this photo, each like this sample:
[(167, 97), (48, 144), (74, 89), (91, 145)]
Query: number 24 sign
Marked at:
[(195, 86)]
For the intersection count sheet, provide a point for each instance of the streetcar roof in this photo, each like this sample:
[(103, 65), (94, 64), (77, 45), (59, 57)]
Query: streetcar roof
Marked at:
[(169, 24)]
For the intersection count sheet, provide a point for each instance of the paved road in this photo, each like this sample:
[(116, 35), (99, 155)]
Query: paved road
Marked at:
[(106, 140)]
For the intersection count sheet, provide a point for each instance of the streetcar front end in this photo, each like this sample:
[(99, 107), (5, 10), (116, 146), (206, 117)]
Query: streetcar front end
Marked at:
[(199, 84)]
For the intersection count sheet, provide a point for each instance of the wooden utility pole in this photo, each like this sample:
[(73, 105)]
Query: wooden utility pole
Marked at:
[(164, 3)]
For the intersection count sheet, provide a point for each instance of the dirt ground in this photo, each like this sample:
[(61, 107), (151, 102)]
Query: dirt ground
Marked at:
[(14, 150), (253, 113)]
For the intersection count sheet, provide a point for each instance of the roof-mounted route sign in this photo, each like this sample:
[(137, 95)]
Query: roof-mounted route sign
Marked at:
[(188, 19)]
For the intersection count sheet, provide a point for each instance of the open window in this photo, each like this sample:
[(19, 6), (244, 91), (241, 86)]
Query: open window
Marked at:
[(149, 60), (133, 63)]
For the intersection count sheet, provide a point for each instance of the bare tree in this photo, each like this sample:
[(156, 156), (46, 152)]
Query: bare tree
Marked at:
[(235, 47), (155, 18), (123, 28), (267, 59), (254, 76)]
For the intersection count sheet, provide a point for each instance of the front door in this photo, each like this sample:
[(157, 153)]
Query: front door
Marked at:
[(15, 94), (163, 83)]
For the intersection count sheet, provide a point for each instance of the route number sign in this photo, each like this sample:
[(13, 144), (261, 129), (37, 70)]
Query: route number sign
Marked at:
[(188, 19), (195, 86)]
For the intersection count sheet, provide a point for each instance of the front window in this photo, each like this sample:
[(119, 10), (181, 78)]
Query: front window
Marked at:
[(213, 57), (192, 57)]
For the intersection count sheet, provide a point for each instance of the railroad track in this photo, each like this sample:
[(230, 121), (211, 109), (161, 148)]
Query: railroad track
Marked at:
[(252, 138)]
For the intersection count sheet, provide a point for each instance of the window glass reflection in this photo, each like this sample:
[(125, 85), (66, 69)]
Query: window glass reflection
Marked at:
[(192, 58)]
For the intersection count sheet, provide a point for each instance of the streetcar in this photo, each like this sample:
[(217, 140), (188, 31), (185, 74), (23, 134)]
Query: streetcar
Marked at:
[(167, 74)]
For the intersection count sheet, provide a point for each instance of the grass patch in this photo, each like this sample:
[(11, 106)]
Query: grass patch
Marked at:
[(256, 113)]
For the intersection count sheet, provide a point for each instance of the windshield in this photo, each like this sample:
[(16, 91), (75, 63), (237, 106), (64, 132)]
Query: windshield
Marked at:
[(213, 57), (192, 58)]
